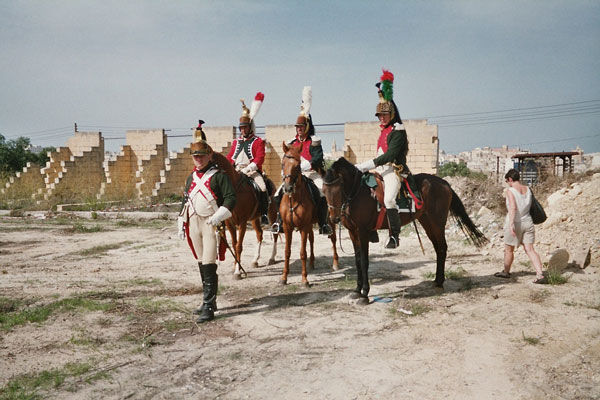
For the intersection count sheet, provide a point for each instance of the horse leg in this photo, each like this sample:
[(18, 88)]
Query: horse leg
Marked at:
[(311, 239), (333, 238), (303, 236), (238, 250), (233, 234), (259, 241), (288, 252), (359, 279), (363, 239), (437, 235), (273, 250)]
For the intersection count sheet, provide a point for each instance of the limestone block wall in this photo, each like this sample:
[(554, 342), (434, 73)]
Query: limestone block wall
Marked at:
[(120, 173), (25, 184), (361, 143), (149, 171), (80, 176)]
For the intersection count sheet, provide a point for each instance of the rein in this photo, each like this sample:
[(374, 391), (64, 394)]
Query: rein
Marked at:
[(344, 207)]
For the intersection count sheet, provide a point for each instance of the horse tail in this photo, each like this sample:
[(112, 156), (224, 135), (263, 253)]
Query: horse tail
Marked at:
[(457, 209)]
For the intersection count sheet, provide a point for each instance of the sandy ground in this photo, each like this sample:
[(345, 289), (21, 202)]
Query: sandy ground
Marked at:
[(481, 338)]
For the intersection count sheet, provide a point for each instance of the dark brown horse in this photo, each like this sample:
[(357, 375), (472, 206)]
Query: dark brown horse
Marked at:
[(351, 202), (246, 209), (298, 211)]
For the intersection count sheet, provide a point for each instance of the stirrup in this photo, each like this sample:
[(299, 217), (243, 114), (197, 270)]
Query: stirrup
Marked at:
[(391, 243), (325, 230), (276, 228), (264, 220)]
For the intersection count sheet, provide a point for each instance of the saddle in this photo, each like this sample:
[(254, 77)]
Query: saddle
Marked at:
[(313, 189), (409, 197)]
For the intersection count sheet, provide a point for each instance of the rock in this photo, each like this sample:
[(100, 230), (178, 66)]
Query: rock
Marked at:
[(553, 219), (559, 259), (576, 190), (483, 211), (596, 175), (554, 199), (581, 257)]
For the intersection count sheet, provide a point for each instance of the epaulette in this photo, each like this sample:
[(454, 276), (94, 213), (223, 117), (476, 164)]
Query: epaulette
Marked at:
[(398, 127), (315, 141), (289, 142)]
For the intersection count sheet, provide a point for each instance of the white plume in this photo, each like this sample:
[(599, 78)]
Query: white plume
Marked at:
[(306, 100), (254, 108)]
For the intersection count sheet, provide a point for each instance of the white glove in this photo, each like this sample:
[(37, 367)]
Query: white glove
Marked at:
[(180, 228), (366, 166), (249, 168), (221, 215), (305, 165)]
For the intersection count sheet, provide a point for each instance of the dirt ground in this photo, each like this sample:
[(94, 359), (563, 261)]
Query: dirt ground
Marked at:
[(120, 295)]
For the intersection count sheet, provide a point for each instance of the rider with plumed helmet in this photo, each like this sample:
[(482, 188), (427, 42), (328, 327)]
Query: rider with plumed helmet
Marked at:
[(392, 147), (311, 162), (247, 153)]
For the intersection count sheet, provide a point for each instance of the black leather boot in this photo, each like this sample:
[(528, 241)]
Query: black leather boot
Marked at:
[(263, 205), (277, 227), (394, 223), (210, 284), (324, 228)]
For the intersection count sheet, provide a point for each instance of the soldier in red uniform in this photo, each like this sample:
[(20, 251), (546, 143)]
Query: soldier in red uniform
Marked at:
[(247, 153)]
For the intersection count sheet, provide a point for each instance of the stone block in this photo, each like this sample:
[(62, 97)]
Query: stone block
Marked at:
[(581, 257), (558, 260)]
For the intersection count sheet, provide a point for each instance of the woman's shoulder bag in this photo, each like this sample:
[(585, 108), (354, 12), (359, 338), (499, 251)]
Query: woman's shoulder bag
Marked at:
[(538, 215)]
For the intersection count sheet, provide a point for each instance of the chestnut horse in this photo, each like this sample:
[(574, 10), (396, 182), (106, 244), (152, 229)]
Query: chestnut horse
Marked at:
[(298, 211), (246, 209), (350, 201)]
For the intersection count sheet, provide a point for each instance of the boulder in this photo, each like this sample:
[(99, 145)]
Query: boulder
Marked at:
[(558, 261), (555, 199), (581, 257), (553, 219), (484, 211)]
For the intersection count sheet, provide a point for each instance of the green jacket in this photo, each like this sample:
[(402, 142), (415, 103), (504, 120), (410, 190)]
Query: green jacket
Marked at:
[(397, 149), (221, 186)]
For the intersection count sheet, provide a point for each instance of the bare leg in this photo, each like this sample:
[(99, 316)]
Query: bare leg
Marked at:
[(509, 256), (535, 259)]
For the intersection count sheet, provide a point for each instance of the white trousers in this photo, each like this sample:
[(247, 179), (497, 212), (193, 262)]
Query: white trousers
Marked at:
[(204, 239), (391, 185)]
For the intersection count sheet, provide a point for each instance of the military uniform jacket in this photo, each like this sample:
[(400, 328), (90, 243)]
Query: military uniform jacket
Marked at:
[(311, 151), (250, 150), (219, 185), (392, 146)]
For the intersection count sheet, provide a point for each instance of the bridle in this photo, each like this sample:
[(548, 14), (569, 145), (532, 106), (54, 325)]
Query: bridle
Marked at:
[(349, 197), (291, 176)]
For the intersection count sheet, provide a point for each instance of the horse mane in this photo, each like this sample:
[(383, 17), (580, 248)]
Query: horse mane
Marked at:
[(225, 165), (340, 165)]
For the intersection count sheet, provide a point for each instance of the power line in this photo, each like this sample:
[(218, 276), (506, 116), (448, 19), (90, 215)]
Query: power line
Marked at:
[(542, 142)]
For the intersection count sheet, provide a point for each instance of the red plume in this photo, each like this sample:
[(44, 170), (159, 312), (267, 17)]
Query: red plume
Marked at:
[(387, 76), (259, 96)]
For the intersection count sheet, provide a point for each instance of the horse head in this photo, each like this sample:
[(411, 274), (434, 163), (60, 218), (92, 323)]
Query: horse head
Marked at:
[(339, 186), (290, 167), (226, 166)]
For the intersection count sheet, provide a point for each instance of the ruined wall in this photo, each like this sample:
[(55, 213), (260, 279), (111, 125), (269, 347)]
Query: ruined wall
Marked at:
[(275, 135), (360, 144), (75, 172), (26, 184)]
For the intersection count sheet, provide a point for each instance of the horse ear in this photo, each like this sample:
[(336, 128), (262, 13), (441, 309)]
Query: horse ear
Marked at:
[(284, 147)]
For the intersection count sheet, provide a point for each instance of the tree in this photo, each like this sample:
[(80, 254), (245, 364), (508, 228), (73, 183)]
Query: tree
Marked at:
[(15, 154)]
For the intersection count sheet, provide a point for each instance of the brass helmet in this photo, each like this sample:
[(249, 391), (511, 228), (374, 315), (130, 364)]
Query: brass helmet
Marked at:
[(248, 114), (304, 118), (386, 94), (200, 146)]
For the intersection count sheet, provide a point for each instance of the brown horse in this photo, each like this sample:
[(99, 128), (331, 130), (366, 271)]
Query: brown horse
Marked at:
[(246, 209), (351, 202), (298, 211)]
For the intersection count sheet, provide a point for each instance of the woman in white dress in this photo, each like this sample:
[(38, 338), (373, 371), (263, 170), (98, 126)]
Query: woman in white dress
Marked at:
[(518, 226)]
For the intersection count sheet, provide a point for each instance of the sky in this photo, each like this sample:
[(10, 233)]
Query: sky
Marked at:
[(521, 73)]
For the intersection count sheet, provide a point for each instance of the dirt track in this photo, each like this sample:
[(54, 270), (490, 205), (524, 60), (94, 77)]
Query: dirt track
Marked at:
[(132, 334)]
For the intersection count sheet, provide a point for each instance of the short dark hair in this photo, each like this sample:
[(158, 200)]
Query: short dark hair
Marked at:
[(512, 174)]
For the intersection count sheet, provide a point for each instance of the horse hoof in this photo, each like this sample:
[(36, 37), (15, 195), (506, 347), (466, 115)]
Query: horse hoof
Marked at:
[(438, 289), (306, 284), (237, 277), (363, 301), (355, 295), (254, 265), (271, 261), (335, 267), (282, 282)]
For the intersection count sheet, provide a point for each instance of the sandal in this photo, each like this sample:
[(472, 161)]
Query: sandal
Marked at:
[(541, 280), (502, 274)]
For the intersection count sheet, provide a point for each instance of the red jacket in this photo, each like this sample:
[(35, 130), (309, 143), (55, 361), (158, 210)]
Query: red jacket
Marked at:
[(254, 147)]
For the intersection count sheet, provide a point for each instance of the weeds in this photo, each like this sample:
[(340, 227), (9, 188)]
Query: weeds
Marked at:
[(97, 251), (81, 228), (538, 296), (530, 339), (9, 320), (556, 278)]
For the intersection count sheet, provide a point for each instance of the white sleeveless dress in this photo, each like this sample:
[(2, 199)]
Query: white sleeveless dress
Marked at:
[(524, 227)]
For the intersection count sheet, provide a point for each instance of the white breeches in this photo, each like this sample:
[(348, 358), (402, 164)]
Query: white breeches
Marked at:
[(391, 186), (204, 239), (258, 178), (316, 178)]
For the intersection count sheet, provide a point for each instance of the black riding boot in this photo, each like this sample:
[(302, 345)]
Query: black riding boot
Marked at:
[(394, 223), (210, 284), (277, 227), (263, 205), (324, 228), (199, 310)]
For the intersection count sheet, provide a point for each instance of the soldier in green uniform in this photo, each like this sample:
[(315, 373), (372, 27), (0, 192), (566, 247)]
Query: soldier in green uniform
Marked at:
[(392, 147), (209, 199)]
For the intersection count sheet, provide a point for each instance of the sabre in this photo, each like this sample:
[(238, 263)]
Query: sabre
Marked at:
[(221, 233)]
